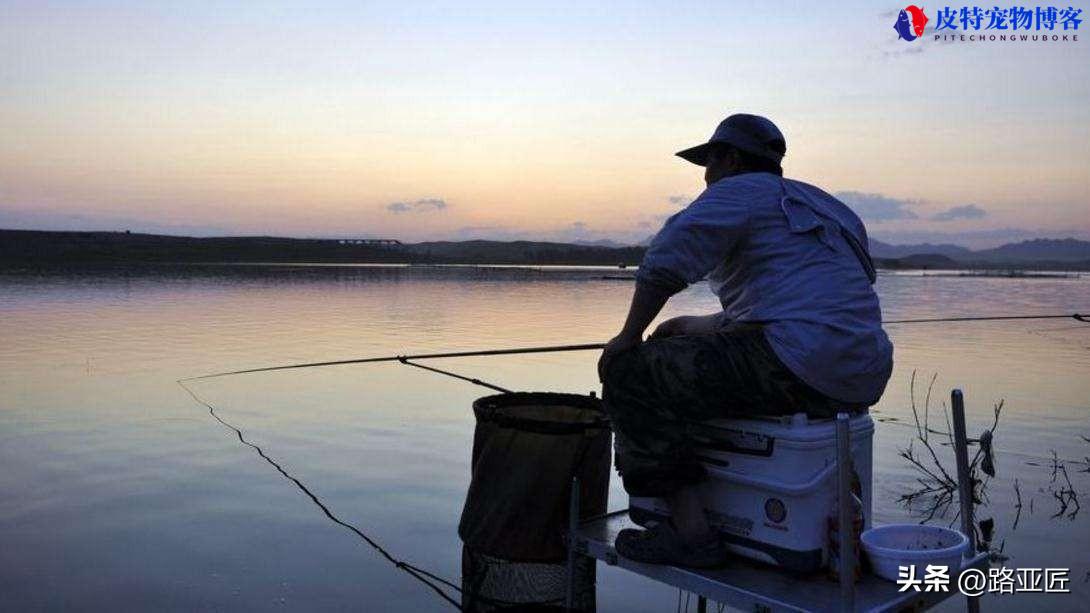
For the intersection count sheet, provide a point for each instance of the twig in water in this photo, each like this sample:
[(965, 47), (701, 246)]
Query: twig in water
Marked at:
[(1067, 496), (1017, 505), (936, 491), (1086, 459), (1063, 491)]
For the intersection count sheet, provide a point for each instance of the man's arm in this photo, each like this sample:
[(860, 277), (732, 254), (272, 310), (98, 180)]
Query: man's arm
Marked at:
[(647, 301), (689, 245)]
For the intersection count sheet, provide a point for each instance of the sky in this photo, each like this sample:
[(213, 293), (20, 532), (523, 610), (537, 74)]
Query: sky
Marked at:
[(555, 121)]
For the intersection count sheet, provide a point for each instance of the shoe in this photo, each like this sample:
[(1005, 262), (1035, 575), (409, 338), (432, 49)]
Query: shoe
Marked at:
[(662, 545)]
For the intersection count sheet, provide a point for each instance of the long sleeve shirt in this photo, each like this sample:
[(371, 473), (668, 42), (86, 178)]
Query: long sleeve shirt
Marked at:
[(793, 258)]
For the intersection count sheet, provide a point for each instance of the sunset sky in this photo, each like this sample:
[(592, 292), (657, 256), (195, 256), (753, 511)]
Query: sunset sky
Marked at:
[(509, 120)]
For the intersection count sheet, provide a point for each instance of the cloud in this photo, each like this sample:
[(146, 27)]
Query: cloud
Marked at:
[(423, 205), (877, 207), (680, 200), (968, 211), (437, 203)]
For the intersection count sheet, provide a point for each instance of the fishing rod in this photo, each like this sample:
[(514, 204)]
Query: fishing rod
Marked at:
[(403, 358), (1082, 317)]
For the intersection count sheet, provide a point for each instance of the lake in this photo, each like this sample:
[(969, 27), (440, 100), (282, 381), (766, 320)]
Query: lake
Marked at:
[(118, 491)]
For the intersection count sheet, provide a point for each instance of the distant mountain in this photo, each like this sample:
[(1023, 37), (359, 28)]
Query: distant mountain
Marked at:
[(1037, 250), (879, 249), (919, 261)]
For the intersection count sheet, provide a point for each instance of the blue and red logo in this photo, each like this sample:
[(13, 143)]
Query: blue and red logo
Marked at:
[(910, 23)]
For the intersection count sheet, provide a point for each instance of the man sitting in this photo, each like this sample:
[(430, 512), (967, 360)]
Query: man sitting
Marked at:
[(800, 329)]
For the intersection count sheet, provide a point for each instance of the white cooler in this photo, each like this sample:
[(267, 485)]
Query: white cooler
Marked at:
[(772, 485)]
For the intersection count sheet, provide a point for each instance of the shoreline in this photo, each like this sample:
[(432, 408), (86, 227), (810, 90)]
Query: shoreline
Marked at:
[(590, 271), (72, 250)]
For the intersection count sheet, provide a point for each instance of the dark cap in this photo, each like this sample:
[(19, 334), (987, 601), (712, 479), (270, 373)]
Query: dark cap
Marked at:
[(750, 133)]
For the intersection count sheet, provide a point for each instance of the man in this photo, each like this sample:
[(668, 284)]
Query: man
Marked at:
[(800, 328)]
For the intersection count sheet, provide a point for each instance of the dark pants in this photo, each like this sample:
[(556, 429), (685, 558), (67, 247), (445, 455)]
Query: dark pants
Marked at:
[(658, 391)]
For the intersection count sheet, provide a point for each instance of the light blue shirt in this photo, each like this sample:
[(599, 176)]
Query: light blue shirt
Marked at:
[(774, 252)]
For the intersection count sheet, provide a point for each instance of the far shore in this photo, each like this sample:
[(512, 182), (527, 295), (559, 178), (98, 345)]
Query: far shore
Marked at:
[(48, 249)]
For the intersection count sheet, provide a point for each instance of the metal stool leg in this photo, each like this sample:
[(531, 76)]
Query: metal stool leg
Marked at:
[(965, 486), (845, 516), (573, 528)]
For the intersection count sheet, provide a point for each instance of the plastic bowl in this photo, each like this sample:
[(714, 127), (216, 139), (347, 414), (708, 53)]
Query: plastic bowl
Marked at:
[(889, 547)]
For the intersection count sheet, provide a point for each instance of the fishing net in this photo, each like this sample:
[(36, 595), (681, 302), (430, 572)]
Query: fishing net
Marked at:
[(527, 447)]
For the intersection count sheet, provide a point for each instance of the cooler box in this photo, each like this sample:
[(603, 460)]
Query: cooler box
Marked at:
[(772, 485)]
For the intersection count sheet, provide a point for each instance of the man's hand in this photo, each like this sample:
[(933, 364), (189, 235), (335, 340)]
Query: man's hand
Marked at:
[(617, 344), (675, 326), (687, 324)]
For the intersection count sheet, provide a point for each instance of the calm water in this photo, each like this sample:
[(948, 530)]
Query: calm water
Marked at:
[(119, 492)]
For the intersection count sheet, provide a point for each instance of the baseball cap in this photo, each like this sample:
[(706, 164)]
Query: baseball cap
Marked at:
[(750, 133)]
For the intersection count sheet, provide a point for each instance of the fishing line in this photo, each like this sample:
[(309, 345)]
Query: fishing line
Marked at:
[(457, 376), (427, 578)]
